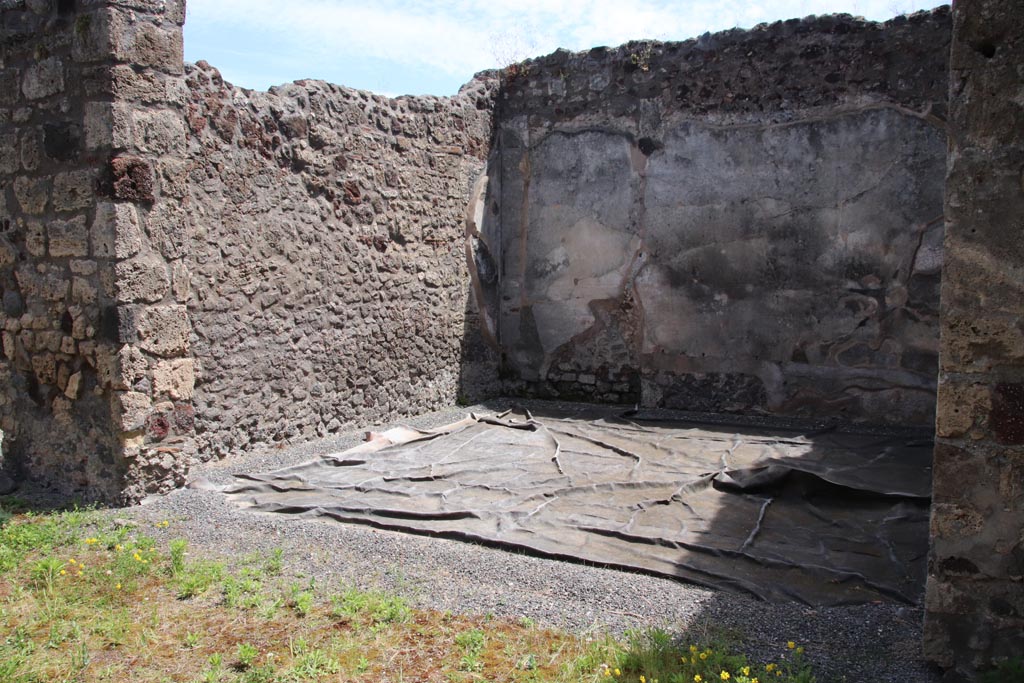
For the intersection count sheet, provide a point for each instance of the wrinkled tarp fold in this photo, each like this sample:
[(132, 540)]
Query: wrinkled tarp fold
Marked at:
[(822, 518)]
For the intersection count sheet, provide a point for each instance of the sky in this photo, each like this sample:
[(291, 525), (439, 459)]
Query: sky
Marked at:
[(396, 47)]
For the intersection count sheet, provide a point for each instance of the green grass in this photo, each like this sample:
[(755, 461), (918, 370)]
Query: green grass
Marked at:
[(82, 599), (652, 655), (1008, 671), (373, 607)]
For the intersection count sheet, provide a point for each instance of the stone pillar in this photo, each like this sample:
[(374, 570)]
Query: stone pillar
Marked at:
[(975, 597), (96, 376)]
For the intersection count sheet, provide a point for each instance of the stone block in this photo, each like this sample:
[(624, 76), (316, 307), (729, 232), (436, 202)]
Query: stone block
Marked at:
[(74, 190), (8, 86), (9, 345), (44, 366), (146, 44), (83, 291), (163, 330), (175, 378), (49, 284), (108, 284), (973, 341), (31, 153), (1007, 417), (27, 340), (973, 280), (173, 178), (107, 125), (115, 231), (159, 132), (83, 267), (62, 141), (172, 11), (143, 279), (68, 238), (130, 179), (956, 523), (44, 78), (59, 403), (73, 386), (91, 37), (124, 369), (83, 328), (13, 305), (49, 340), (32, 194), (127, 84), (158, 426), (10, 160), (954, 470), (960, 407), (130, 410), (8, 254), (35, 238), (168, 229), (180, 283)]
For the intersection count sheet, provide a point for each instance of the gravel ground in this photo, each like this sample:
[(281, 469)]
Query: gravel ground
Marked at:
[(876, 642)]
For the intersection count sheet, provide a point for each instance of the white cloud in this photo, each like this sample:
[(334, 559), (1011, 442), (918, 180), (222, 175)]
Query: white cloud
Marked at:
[(461, 37)]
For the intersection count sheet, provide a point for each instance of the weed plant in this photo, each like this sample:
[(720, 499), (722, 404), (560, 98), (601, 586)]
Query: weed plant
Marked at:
[(84, 599)]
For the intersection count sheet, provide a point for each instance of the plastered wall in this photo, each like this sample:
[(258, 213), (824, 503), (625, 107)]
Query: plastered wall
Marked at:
[(747, 221)]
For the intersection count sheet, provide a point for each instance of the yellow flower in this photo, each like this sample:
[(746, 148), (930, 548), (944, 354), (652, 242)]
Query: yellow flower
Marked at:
[(791, 645), (698, 678), (607, 672), (118, 547), (800, 650), (63, 573), (703, 655), (693, 649), (79, 572), (71, 561), (769, 667), (91, 541), (746, 670), (618, 673), (754, 680), (724, 675), (118, 586), (643, 679)]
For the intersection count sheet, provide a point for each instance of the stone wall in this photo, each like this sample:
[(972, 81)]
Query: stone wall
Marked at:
[(90, 127), (975, 597), (751, 220), (328, 280)]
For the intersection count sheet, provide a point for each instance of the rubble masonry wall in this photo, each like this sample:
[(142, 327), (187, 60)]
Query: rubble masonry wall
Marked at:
[(95, 378), (328, 279), (975, 595)]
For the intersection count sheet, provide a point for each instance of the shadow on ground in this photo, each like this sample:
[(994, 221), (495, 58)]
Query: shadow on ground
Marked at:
[(816, 517)]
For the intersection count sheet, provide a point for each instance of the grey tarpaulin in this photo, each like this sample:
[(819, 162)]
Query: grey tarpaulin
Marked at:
[(823, 518)]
